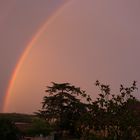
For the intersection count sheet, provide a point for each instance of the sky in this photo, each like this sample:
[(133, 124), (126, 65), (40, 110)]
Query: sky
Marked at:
[(19, 21), (65, 41)]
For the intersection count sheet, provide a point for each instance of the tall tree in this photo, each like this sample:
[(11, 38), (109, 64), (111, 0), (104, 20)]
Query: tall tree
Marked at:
[(62, 107)]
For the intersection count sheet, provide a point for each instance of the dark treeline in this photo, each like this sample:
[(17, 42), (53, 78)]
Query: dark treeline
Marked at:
[(68, 112), (16, 117), (71, 112)]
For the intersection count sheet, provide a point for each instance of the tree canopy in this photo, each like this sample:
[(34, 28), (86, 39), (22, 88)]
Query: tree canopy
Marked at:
[(62, 107), (69, 109)]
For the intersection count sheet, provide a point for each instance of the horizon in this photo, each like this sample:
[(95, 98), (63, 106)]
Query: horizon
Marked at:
[(66, 41)]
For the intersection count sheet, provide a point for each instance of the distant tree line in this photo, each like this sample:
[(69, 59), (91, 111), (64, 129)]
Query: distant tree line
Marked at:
[(70, 112), (14, 126)]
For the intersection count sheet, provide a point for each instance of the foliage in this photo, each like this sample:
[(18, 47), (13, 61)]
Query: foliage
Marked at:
[(109, 117), (62, 107), (8, 130), (38, 127), (114, 115)]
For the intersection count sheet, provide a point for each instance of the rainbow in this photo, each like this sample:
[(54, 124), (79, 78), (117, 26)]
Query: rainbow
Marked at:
[(27, 51)]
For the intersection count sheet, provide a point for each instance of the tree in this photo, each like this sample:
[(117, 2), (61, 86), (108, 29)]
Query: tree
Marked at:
[(110, 117), (38, 127), (8, 130), (113, 113), (62, 107)]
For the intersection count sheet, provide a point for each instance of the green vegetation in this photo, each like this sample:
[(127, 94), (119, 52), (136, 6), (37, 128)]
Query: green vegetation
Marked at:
[(63, 108), (38, 126), (14, 125), (71, 112), (8, 130)]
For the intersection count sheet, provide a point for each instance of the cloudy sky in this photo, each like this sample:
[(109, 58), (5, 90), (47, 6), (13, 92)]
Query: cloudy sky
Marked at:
[(65, 41)]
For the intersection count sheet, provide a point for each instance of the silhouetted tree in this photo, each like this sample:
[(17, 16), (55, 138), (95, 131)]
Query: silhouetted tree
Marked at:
[(113, 113), (111, 117)]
